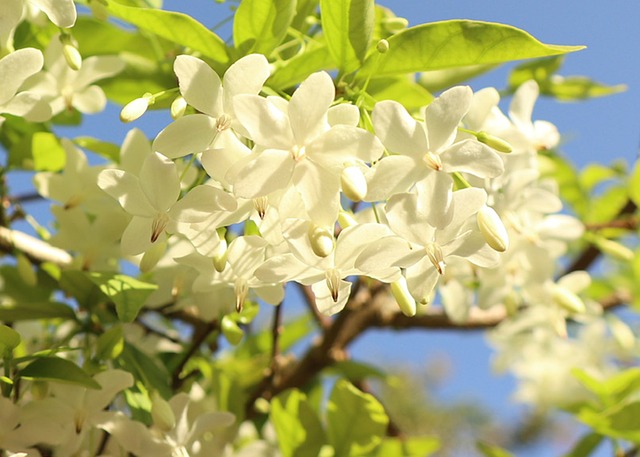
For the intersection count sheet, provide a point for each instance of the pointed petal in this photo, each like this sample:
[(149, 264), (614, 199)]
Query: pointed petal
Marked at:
[(261, 173), (125, 188), (408, 219), (287, 267), (199, 84), (444, 114), (246, 254), (398, 131), (136, 238), (387, 252), (61, 12), (436, 197), (159, 181), (393, 175), (353, 240), (308, 106), (15, 68), (89, 100), (466, 203), (135, 149), (422, 279), (320, 192), (28, 105), (267, 125), (246, 76), (112, 382), (200, 203), (521, 107), (324, 300), (343, 114), (270, 294), (343, 144), (473, 157), (187, 135), (483, 102), (227, 151)]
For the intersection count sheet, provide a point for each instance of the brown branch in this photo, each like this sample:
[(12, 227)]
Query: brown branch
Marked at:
[(200, 334), (37, 250), (628, 223), (589, 255)]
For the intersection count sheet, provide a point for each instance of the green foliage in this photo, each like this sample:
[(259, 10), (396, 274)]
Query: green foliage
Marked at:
[(489, 450), (347, 25), (9, 340), (261, 25), (409, 447), (128, 294), (457, 43), (57, 369), (110, 344)]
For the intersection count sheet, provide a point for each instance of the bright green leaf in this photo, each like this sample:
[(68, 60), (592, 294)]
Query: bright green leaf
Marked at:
[(288, 73), (110, 344), (105, 149), (48, 153), (439, 80), (145, 369), (457, 43), (300, 433), (177, 27), (488, 450), (347, 26), (128, 294), (60, 370), (231, 331), (261, 25), (356, 421), (408, 447), (634, 184), (13, 312), (585, 446), (402, 88)]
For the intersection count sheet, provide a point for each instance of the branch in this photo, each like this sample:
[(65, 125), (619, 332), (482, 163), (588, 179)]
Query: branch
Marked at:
[(200, 334), (37, 250)]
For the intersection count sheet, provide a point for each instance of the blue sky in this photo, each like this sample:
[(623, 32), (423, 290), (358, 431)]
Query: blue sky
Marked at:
[(599, 130)]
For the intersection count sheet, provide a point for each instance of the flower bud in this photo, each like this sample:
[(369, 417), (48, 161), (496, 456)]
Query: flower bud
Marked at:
[(136, 108), (353, 182), (403, 297), (220, 256), (567, 299), (382, 46), (346, 219), (178, 107), (72, 56), (494, 142), (492, 229), (322, 241), (615, 249), (161, 413), (395, 24)]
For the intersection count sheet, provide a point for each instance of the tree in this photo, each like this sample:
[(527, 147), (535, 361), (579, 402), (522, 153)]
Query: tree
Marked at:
[(332, 149)]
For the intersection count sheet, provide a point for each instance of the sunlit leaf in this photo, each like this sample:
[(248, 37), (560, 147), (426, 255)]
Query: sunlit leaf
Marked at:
[(60, 370), (261, 25), (290, 72), (128, 294)]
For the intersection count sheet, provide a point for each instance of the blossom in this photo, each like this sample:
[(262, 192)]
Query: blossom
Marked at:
[(427, 152), (296, 146)]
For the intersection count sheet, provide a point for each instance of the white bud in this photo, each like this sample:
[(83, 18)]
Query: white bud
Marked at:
[(403, 297), (492, 229), (72, 56), (178, 107), (567, 299), (353, 182), (615, 249), (346, 219), (136, 108), (494, 142), (322, 241), (220, 256)]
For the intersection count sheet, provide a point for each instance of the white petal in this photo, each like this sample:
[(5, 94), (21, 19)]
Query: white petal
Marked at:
[(200, 203), (261, 173), (483, 102), (422, 279), (112, 382), (308, 106), (15, 68), (408, 219), (466, 203), (324, 300), (267, 125), (393, 175), (270, 294), (353, 240), (444, 114), (90, 100), (435, 198), (473, 157), (136, 238), (187, 135), (61, 12), (398, 131), (28, 105), (228, 151), (125, 188), (135, 149), (320, 192), (96, 68), (245, 76), (10, 18), (287, 267), (387, 252), (521, 107), (159, 181), (343, 114), (342, 144), (199, 84)]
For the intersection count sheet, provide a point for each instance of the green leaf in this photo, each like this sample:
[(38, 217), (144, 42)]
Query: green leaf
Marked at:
[(347, 26), (110, 344), (48, 153), (76, 284), (585, 446), (408, 447), (613, 389), (438, 80), (60, 370), (357, 371), (128, 294), (457, 43), (231, 330), (25, 311), (633, 186), (105, 149), (300, 433), (145, 369), (176, 27), (261, 25), (356, 421), (401, 88), (288, 73), (488, 450), (9, 339)]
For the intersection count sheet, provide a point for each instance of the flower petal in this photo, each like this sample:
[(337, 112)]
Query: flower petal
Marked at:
[(199, 84), (261, 173), (246, 76), (61, 12), (200, 203), (187, 135), (444, 114), (324, 299), (159, 181), (398, 131), (308, 106), (320, 192), (89, 100), (267, 125), (95, 68), (125, 188), (393, 175), (341, 145), (15, 68), (473, 157)]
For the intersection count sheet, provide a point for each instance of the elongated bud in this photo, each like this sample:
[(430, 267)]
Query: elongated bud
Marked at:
[(321, 239), (395, 24), (382, 46), (492, 229), (494, 142), (614, 249), (136, 108), (346, 219), (178, 107), (161, 413), (220, 256), (567, 299), (403, 297), (70, 52), (621, 332), (353, 182)]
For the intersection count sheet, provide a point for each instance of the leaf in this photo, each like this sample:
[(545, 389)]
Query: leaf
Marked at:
[(300, 433), (60, 370), (9, 339), (25, 311), (356, 421), (401, 88), (288, 73), (488, 450), (145, 369), (261, 25), (231, 330), (347, 26), (357, 371), (177, 27), (128, 294), (110, 344), (587, 444), (457, 43), (48, 153), (75, 283), (613, 389), (633, 186), (408, 447), (439, 80), (105, 149)]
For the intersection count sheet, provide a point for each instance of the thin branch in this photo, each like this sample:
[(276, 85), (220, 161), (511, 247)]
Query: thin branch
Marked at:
[(628, 223), (37, 250), (26, 198), (200, 334)]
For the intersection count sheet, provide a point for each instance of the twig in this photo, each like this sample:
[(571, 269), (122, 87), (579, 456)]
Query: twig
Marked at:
[(200, 334)]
